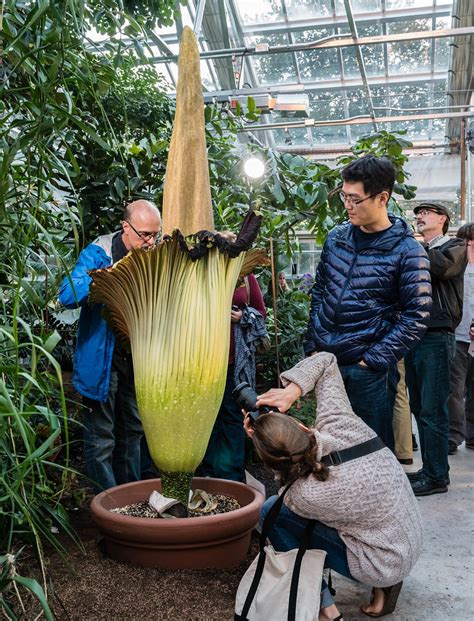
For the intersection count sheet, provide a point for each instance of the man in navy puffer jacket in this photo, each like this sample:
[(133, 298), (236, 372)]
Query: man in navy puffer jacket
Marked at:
[(371, 298)]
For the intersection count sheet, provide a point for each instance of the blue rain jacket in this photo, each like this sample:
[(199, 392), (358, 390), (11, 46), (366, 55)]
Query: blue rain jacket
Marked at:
[(94, 340)]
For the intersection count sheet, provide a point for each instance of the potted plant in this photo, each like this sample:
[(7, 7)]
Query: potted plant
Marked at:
[(172, 304)]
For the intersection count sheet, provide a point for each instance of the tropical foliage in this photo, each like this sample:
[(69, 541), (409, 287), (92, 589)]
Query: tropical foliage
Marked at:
[(85, 128), (55, 87)]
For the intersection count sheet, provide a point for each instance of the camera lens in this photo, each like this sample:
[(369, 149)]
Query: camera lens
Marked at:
[(245, 396)]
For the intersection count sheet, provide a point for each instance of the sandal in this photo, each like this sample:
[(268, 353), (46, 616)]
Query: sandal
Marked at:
[(391, 594)]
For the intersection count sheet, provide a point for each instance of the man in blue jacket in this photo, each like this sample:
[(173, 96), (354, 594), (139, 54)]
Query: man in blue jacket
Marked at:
[(372, 294), (103, 371)]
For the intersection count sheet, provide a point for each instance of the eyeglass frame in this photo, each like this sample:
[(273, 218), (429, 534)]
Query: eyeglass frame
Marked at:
[(146, 236), (344, 198), (424, 210)]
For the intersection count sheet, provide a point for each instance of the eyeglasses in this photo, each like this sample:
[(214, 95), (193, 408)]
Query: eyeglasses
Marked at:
[(355, 201), (423, 212), (145, 235)]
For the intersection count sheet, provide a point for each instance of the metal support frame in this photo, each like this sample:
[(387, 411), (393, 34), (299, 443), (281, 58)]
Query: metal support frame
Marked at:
[(337, 150), (330, 42), (158, 41), (334, 20), (462, 210), (291, 40), (198, 19), (266, 138), (358, 120), (360, 60), (320, 85), (469, 186)]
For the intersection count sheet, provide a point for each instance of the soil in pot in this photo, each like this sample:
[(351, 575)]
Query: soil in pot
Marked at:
[(144, 510), (210, 541)]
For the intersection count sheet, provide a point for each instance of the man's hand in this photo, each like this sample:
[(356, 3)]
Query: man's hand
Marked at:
[(362, 363), (281, 398)]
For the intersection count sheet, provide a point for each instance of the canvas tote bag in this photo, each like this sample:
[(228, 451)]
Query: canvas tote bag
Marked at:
[(281, 586)]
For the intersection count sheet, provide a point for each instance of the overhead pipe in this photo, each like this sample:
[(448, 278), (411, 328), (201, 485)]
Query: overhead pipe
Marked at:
[(325, 43), (356, 120)]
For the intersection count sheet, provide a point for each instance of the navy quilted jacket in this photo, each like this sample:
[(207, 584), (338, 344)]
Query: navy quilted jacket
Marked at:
[(371, 305)]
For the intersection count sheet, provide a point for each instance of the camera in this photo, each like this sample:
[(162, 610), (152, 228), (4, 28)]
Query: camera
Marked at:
[(246, 399)]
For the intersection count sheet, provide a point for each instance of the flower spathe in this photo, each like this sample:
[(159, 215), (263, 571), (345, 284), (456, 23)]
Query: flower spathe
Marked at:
[(174, 310)]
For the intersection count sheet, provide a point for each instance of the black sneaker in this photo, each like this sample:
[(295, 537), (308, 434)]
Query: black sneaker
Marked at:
[(414, 476), (426, 487), (452, 447), (419, 474)]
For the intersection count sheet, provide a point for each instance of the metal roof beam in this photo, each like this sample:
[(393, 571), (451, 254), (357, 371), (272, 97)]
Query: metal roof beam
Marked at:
[(329, 42), (198, 18), (357, 120), (328, 21), (461, 64), (360, 60), (324, 85), (294, 25)]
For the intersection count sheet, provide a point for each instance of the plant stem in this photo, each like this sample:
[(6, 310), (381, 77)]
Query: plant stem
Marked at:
[(177, 485)]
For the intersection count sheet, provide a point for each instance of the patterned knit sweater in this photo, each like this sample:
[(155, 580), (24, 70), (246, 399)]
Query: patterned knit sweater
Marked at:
[(368, 500)]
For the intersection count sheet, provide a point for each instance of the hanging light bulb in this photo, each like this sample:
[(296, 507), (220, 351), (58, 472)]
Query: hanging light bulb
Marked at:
[(254, 167)]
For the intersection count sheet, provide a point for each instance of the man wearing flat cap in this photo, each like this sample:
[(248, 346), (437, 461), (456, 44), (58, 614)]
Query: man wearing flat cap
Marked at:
[(428, 363)]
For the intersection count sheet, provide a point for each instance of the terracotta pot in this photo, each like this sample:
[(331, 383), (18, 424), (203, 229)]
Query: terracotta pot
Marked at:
[(214, 541)]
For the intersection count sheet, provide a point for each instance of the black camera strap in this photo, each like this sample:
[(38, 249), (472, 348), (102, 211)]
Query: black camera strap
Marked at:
[(353, 452)]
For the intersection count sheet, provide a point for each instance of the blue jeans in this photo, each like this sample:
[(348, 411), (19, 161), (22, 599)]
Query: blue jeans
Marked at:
[(113, 432), (225, 454), (372, 396), (427, 377), (288, 531)]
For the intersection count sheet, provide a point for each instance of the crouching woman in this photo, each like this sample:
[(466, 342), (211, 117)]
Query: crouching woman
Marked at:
[(367, 516)]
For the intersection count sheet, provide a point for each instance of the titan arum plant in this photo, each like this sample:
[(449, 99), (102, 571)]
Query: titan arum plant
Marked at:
[(172, 303)]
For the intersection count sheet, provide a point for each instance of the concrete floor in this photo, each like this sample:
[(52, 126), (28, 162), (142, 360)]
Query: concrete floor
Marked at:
[(441, 586)]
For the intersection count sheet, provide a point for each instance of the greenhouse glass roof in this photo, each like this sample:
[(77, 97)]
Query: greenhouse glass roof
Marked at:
[(305, 49)]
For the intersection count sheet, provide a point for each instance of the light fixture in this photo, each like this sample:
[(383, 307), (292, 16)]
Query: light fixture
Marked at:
[(254, 167), (292, 104)]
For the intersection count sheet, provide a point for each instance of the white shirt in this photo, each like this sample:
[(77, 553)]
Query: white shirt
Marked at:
[(462, 331)]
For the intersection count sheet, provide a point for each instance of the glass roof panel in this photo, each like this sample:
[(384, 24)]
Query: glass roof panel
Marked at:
[(273, 68), (373, 54), (260, 11), (441, 46), (404, 77), (304, 9), (410, 56), (366, 6), (408, 4)]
